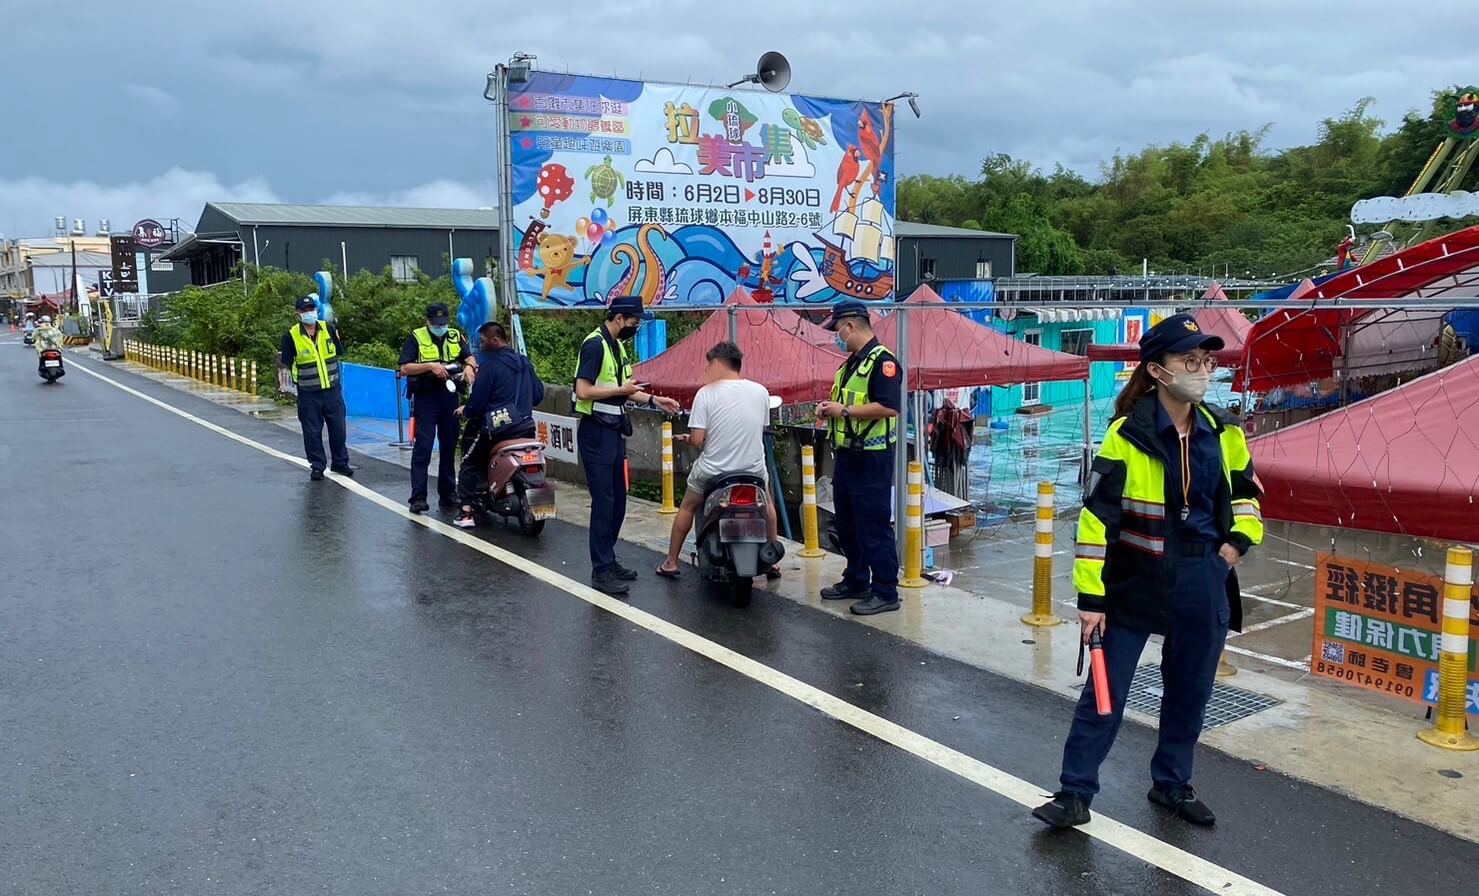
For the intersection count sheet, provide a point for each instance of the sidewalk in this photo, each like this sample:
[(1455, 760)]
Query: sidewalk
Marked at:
[(1336, 737)]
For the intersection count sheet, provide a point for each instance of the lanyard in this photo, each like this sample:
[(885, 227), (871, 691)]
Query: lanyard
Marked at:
[(1185, 440)]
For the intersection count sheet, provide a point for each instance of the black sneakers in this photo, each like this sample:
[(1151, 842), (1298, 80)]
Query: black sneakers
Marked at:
[(624, 574), (418, 506), (1183, 801), (873, 606), (344, 471), (609, 582), (1067, 810), (316, 475), (841, 591)]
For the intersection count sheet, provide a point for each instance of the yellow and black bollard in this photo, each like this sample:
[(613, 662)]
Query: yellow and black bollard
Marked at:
[(914, 533), (1450, 720), (812, 545), (1042, 561), (667, 470)]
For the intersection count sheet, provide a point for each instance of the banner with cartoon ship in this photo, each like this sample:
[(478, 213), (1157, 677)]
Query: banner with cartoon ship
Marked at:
[(679, 193)]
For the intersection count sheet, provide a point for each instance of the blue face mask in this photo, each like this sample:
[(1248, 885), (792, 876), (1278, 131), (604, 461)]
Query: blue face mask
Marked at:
[(438, 331), (309, 317)]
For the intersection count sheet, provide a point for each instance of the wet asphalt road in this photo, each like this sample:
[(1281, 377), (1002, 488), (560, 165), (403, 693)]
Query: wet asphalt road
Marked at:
[(236, 681)]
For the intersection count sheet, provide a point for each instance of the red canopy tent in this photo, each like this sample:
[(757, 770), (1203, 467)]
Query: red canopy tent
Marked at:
[(789, 320), (1296, 347), (775, 356), (948, 350), (1229, 323), (1404, 462)]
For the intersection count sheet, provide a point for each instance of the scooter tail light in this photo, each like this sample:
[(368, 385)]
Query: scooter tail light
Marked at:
[(743, 496)]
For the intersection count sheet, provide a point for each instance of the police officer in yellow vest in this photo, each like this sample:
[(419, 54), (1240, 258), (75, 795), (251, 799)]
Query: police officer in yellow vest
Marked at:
[(862, 425), (435, 361), (311, 351), (1171, 508), (603, 387)]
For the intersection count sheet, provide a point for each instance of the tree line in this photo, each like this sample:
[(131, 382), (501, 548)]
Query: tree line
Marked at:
[(1211, 206)]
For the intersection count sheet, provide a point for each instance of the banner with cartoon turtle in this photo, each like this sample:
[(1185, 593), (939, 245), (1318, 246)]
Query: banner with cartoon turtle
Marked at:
[(678, 194)]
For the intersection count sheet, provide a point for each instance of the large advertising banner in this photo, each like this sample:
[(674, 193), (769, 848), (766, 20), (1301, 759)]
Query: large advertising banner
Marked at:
[(680, 193)]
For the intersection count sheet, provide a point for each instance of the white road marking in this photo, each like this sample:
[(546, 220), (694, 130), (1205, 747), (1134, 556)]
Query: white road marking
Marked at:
[(1293, 563), (1173, 860), (1275, 660), (1303, 613)]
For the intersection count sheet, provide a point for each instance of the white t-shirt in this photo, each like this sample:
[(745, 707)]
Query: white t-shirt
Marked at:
[(733, 415)]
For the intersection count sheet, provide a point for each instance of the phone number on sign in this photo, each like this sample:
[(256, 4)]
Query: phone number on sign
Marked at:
[(1365, 679)]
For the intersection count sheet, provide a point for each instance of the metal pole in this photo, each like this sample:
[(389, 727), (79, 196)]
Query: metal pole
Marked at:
[(1083, 478), (901, 448), (400, 421), (344, 260), (505, 189), (733, 323)]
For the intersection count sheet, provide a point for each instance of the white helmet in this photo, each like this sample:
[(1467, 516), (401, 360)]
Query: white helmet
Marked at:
[(46, 318)]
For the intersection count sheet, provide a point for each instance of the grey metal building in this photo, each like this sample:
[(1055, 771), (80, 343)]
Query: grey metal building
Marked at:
[(302, 238), (928, 252)]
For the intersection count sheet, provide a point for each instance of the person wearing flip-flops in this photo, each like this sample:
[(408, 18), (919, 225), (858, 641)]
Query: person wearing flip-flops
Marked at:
[(728, 424)]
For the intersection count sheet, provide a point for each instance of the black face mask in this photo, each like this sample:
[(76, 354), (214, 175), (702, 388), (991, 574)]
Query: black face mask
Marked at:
[(627, 332)]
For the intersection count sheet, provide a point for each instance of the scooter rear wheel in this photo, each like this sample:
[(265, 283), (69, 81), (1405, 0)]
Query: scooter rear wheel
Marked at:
[(527, 523)]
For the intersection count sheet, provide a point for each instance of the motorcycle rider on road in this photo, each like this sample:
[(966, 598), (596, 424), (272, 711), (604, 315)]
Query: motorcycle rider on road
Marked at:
[(500, 408), (48, 338)]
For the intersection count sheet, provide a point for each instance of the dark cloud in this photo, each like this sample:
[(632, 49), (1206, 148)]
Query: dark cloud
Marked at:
[(367, 98)]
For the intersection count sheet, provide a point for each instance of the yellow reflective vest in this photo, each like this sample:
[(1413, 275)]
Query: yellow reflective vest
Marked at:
[(850, 388), (615, 371), (1127, 535), (316, 365)]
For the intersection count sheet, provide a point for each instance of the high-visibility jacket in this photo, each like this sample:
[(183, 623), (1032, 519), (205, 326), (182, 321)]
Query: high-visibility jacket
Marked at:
[(616, 370), (1124, 559), (316, 365), (850, 388), (429, 352)]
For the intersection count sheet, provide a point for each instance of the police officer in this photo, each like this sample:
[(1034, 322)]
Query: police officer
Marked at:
[(434, 401), (603, 387), (311, 349), (1172, 507), (862, 421)]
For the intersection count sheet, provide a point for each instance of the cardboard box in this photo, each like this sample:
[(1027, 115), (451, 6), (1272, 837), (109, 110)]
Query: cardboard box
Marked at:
[(963, 520)]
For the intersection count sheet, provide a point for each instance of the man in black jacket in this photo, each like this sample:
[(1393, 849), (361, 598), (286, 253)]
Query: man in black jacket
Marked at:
[(508, 387)]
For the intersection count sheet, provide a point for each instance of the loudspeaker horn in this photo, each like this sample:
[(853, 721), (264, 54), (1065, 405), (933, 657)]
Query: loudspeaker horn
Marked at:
[(773, 72)]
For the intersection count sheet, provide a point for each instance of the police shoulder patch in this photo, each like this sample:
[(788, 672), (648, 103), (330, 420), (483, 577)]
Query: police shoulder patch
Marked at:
[(890, 369)]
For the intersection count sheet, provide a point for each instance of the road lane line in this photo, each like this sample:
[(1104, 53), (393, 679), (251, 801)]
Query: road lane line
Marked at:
[(1275, 660), (1171, 859), (1303, 613)]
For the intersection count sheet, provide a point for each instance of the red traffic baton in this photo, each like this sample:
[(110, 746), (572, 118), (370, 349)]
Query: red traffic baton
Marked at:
[(1097, 673)]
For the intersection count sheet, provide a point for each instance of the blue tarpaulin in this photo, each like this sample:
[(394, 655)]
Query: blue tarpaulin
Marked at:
[(371, 391)]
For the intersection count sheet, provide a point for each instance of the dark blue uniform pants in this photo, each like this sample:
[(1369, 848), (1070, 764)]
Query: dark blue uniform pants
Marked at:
[(603, 454), (862, 495), (435, 421), (1199, 614), (317, 409)]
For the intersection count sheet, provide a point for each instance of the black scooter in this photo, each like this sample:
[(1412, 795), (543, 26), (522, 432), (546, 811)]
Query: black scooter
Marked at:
[(51, 368), (731, 540)]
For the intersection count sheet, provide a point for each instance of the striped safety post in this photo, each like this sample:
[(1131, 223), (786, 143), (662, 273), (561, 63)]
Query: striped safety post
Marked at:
[(914, 531), (254, 380), (1042, 561), (812, 542), (1450, 719), (667, 470)]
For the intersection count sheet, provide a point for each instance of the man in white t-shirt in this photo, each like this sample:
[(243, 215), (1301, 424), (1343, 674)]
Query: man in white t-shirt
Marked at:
[(728, 423)]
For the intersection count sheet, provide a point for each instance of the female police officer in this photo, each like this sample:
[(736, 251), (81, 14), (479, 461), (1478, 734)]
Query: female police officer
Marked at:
[(1171, 508)]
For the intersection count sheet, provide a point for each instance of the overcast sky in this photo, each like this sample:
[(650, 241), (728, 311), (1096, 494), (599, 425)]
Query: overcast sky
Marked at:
[(129, 110)]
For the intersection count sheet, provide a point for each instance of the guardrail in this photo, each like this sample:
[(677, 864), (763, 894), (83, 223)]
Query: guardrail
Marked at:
[(236, 374)]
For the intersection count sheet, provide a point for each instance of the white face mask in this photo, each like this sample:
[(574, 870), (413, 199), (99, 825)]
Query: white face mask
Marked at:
[(308, 317), (1188, 387)]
